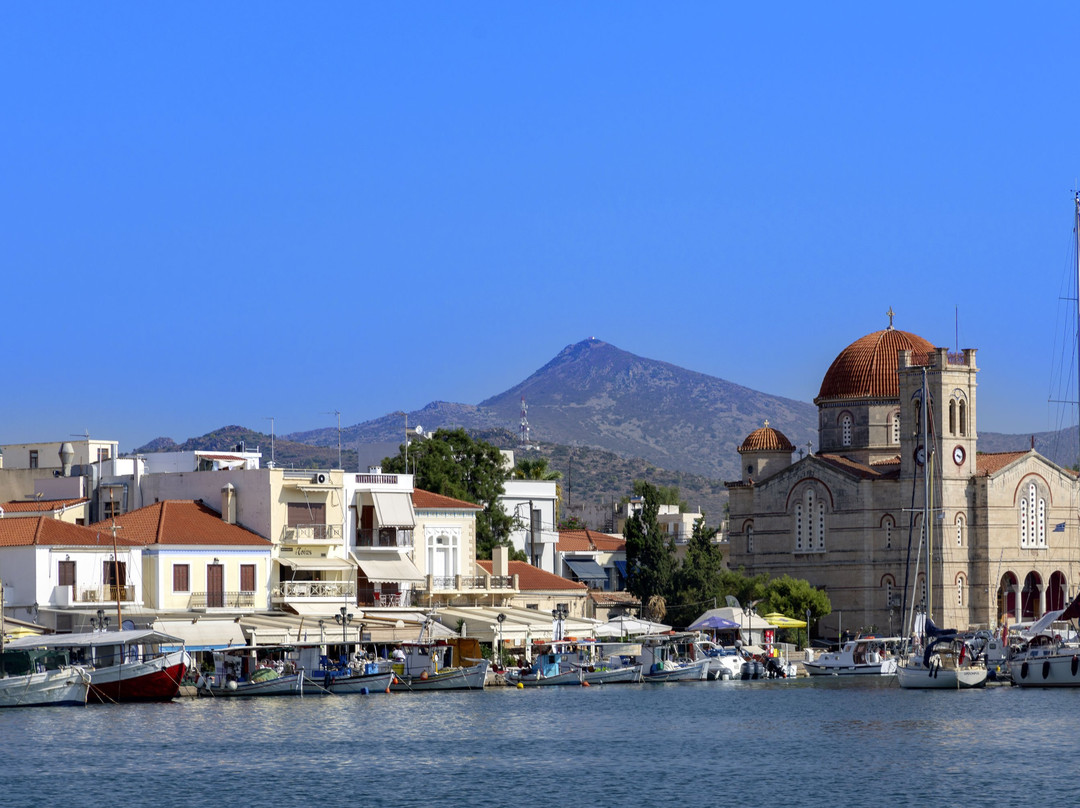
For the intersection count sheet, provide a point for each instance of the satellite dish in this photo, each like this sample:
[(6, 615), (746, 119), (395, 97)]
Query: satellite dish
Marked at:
[(419, 430)]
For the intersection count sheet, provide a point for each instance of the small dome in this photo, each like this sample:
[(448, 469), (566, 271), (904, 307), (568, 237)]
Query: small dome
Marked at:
[(867, 367), (766, 439)]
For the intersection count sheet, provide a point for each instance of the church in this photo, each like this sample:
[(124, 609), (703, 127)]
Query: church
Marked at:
[(1004, 532)]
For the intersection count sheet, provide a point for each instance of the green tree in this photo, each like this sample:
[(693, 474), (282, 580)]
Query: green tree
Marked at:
[(665, 494), (699, 578), (453, 464), (794, 597), (650, 561), (537, 469)]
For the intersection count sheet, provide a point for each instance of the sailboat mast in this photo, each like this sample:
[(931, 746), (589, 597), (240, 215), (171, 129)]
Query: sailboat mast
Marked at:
[(928, 455), (1076, 251)]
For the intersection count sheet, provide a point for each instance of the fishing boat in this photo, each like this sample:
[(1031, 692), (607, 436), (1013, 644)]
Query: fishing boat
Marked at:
[(725, 662), (864, 656), (430, 665), (124, 666), (351, 673), (608, 663), (668, 658), (254, 670), (38, 677), (551, 668)]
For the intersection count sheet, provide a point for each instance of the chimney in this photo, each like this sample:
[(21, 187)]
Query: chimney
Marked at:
[(67, 454), (500, 561), (228, 503)]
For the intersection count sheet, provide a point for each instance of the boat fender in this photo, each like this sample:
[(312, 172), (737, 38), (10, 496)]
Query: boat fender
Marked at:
[(1046, 669), (363, 691), (327, 681), (1024, 671), (1075, 664), (394, 680), (424, 675)]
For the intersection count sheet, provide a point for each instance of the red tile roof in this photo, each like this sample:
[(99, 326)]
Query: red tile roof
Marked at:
[(426, 500), (766, 439), (40, 505), (860, 469), (577, 541), (987, 463), (181, 521), (531, 578), (44, 530), (867, 368)]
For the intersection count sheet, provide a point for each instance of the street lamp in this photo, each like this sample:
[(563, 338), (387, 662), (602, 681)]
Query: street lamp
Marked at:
[(322, 632), (559, 613), (501, 617), (343, 618), (102, 622)]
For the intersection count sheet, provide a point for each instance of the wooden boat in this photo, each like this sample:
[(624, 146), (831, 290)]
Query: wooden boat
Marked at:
[(254, 670), (351, 674), (125, 666), (428, 665), (663, 659), (548, 670), (40, 677)]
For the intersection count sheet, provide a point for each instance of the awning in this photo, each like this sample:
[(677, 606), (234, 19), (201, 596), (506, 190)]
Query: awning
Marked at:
[(387, 568), (586, 569), (620, 565), (204, 635), (316, 563), (394, 509)]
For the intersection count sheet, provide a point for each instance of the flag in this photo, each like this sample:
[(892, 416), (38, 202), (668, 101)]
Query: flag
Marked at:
[(1059, 527)]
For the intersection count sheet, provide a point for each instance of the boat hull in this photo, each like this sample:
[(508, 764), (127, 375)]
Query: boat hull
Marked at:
[(292, 685), (155, 679), (922, 678), (628, 675), (1046, 670), (886, 668), (692, 672), (349, 685), (66, 686), (471, 678), (532, 680)]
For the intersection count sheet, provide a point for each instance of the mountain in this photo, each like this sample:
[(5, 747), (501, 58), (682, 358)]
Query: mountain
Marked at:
[(594, 394)]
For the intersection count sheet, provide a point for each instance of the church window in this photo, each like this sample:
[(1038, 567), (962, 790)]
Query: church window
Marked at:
[(845, 429), (963, 417), (917, 417), (888, 532), (959, 530), (750, 538), (952, 417), (922, 591), (1032, 518), (896, 428), (960, 591), (888, 593), (800, 528)]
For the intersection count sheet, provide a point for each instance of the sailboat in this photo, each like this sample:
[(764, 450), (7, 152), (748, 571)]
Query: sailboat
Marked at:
[(944, 662)]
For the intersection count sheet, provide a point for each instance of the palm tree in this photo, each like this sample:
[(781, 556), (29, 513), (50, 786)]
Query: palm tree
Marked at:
[(535, 470)]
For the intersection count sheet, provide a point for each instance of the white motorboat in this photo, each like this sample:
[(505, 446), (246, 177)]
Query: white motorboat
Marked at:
[(38, 678), (1047, 660), (865, 656), (254, 670), (725, 662), (548, 669)]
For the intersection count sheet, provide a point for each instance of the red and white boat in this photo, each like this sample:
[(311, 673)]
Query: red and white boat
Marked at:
[(124, 666)]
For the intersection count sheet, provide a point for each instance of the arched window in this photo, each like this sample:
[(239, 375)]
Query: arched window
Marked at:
[(952, 417), (750, 538), (963, 417), (845, 429), (1032, 518), (888, 584), (809, 515), (916, 417), (959, 530), (895, 434), (888, 532), (959, 590)]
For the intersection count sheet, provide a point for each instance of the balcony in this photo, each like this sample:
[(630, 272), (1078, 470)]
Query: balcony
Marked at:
[(470, 584), (302, 534), (201, 601), (105, 594), (391, 538), (316, 589)]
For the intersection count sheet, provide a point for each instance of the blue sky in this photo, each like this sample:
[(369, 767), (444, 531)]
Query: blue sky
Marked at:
[(215, 213)]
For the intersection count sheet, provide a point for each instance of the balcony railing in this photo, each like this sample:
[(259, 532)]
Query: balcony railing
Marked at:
[(461, 583), (389, 537), (105, 594), (302, 533), (222, 600), (318, 589)]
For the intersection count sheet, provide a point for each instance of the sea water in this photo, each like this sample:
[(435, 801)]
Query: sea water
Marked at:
[(808, 742)]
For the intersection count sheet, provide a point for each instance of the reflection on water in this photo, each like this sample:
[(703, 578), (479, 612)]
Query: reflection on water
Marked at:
[(805, 742)]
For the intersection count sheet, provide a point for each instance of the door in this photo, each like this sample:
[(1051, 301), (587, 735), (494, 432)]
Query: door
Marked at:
[(215, 586)]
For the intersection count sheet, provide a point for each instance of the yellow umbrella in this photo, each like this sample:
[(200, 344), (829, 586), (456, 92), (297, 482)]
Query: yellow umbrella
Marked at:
[(783, 621)]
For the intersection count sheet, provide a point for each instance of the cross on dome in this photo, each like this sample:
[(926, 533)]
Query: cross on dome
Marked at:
[(891, 314)]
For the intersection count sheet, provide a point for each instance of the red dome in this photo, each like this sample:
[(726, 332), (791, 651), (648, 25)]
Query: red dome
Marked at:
[(867, 367), (766, 439)]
